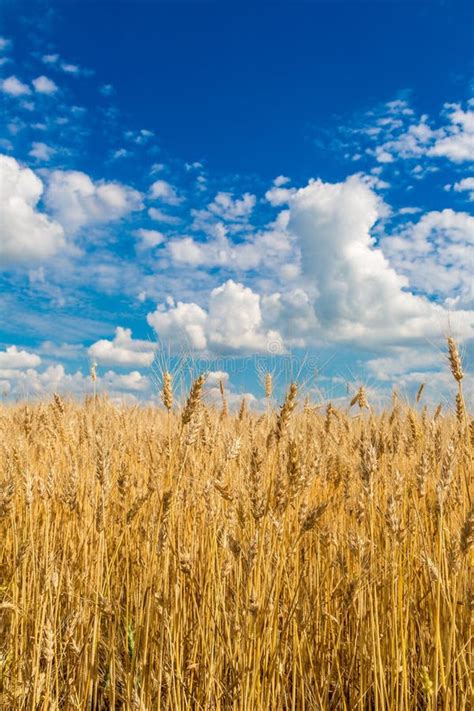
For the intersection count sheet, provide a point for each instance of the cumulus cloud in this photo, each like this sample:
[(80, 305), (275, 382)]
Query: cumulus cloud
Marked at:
[(14, 87), (181, 322), (13, 358), (348, 287), (123, 350), (25, 233), (76, 200), (164, 191), (233, 322), (358, 295), (292, 314), (44, 85)]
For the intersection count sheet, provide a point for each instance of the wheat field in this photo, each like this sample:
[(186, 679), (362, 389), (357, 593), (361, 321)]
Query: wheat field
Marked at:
[(186, 557)]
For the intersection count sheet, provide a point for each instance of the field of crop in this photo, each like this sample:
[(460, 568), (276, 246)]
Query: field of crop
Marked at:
[(188, 558)]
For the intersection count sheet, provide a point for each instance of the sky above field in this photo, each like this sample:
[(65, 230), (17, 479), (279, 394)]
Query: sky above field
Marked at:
[(242, 186)]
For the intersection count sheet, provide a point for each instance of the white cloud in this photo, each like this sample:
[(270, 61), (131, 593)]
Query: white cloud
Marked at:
[(127, 381), (180, 322), (407, 367), (344, 289), (401, 359), (235, 320), (76, 200), (396, 133), (409, 210), (41, 151), (456, 141), (54, 60), (278, 195), (159, 216), (14, 87), (232, 323), (271, 246), (123, 350), (465, 185), (358, 296), (292, 314), (43, 85), (25, 234), (119, 386), (227, 208), (281, 180), (219, 251), (13, 358), (164, 191), (187, 251), (215, 377), (437, 255), (149, 238)]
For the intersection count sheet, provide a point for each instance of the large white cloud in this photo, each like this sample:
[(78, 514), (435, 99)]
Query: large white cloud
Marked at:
[(348, 290), (358, 296), (233, 322), (183, 322), (76, 200), (25, 233), (123, 350)]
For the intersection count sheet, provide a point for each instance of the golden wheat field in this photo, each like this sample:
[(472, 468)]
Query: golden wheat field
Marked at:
[(187, 558)]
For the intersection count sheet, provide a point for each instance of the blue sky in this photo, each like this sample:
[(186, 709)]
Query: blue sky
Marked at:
[(284, 185)]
